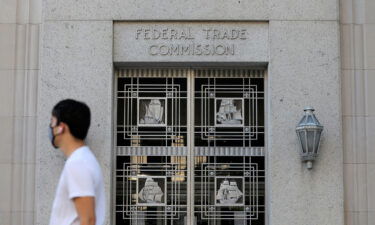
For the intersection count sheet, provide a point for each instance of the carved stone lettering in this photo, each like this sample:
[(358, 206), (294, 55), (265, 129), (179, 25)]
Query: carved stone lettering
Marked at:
[(196, 41), (190, 48), (164, 34)]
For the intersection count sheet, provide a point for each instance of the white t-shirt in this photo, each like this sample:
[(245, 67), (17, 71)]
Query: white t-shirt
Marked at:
[(80, 177)]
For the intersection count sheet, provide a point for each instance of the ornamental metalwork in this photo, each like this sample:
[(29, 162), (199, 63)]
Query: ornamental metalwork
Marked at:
[(190, 146)]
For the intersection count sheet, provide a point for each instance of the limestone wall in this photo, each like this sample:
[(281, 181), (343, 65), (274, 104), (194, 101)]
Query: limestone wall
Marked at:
[(357, 22), (303, 69), (20, 23), (76, 55)]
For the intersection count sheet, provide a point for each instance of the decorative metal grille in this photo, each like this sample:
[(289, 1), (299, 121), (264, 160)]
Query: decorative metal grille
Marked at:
[(150, 191), (151, 110), (229, 189), (229, 178), (229, 108), (204, 143)]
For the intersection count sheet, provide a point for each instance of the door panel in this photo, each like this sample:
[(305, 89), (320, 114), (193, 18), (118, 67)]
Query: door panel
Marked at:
[(190, 146)]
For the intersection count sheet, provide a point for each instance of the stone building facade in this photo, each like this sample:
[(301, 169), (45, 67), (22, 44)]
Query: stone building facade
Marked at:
[(295, 53)]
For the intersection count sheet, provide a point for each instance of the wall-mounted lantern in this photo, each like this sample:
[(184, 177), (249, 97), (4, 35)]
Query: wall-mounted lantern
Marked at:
[(309, 131)]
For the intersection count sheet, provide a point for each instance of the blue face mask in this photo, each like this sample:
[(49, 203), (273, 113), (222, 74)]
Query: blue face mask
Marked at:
[(51, 137)]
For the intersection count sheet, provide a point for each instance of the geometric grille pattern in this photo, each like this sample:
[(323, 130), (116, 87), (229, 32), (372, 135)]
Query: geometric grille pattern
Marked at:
[(230, 111), (140, 203), (152, 111), (229, 115), (247, 179), (165, 155)]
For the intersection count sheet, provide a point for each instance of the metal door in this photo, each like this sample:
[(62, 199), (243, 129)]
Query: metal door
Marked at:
[(190, 147)]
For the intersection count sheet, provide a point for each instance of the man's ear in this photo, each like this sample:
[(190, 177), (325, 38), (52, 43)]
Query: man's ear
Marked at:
[(60, 128)]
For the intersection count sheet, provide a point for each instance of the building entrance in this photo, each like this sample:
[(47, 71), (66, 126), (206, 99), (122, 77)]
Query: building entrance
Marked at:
[(190, 147)]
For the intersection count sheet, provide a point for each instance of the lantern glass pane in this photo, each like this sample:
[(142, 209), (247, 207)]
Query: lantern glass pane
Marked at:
[(310, 141), (317, 139), (302, 138), (310, 119)]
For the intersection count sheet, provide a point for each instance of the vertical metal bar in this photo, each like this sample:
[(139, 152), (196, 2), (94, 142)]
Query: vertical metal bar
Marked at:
[(114, 145), (243, 112), (127, 111), (179, 98), (172, 98), (266, 105), (138, 87), (166, 111), (214, 119), (191, 148)]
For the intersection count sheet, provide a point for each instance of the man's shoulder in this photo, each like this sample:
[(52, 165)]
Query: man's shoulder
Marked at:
[(81, 153), (83, 158)]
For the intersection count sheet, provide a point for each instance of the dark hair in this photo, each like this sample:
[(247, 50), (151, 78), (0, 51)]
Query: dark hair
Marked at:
[(75, 114)]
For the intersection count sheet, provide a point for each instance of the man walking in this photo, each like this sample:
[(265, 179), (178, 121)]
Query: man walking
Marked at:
[(80, 198)]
